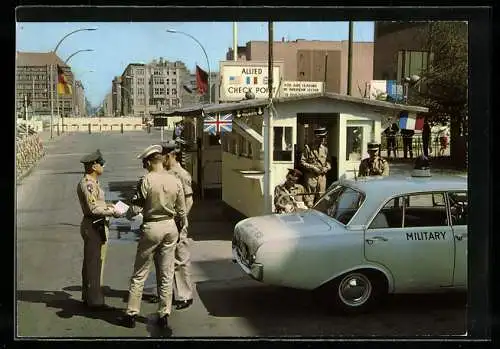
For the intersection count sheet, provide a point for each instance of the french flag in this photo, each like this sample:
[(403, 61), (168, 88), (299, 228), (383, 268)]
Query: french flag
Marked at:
[(407, 122)]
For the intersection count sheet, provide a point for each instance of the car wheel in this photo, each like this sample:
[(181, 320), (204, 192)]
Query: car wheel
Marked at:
[(358, 291)]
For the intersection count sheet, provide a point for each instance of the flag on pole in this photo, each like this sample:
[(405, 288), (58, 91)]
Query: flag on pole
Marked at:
[(201, 80), (406, 122), (419, 123), (218, 123), (63, 87)]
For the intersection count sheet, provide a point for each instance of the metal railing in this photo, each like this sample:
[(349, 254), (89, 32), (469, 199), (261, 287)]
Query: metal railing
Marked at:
[(435, 148)]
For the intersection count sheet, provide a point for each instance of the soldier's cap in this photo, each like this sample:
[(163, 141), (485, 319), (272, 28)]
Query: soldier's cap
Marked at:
[(95, 157), (170, 146), (373, 146), (152, 149), (294, 172), (320, 132)]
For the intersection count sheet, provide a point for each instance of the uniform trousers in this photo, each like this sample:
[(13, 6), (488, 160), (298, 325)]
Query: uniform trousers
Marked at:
[(182, 287), (94, 256), (160, 238), (314, 184)]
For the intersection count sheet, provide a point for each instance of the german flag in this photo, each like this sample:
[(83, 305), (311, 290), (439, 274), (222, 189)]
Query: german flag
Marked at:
[(63, 87)]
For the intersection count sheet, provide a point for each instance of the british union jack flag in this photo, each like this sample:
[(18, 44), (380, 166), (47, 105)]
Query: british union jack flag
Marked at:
[(218, 123)]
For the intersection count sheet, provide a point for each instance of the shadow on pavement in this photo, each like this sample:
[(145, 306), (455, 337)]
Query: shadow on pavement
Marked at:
[(275, 311), (210, 219), (69, 307)]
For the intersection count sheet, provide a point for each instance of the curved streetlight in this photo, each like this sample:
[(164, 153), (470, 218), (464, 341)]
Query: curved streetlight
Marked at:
[(75, 53), (73, 32), (206, 56)]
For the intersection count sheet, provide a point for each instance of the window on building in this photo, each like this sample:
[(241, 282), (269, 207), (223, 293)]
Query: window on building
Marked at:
[(167, 81), (354, 141), (283, 144), (140, 81), (412, 63), (156, 72), (174, 72), (174, 91), (162, 90), (167, 91), (175, 102), (174, 81)]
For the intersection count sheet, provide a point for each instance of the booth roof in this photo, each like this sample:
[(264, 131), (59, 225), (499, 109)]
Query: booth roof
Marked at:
[(255, 103)]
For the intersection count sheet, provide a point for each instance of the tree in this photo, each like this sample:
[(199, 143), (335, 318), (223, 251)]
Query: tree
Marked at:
[(444, 85)]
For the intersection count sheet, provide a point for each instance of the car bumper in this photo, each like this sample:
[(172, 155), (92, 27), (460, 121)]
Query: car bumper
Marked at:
[(255, 271)]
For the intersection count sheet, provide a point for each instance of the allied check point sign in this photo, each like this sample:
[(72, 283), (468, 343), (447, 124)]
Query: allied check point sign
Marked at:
[(217, 123)]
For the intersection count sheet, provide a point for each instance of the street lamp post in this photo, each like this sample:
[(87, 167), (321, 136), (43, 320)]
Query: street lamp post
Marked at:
[(75, 53), (51, 76), (206, 56)]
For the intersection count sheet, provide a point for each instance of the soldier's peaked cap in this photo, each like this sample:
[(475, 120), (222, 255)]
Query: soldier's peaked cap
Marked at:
[(92, 157), (169, 146), (373, 146), (152, 149), (320, 132)]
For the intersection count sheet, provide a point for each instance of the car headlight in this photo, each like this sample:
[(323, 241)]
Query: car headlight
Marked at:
[(252, 258)]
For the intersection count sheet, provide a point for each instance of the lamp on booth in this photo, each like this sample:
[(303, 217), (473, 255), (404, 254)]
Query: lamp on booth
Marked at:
[(260, 111)]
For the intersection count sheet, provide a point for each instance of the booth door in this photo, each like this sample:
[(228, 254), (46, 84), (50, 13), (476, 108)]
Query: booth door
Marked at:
[(212, 162)]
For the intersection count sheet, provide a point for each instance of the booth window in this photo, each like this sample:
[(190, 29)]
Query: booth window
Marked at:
[(283, 144), (354, 140)]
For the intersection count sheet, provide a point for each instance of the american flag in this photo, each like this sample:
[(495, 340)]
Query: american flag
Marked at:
[(235, 80), (218, 123)]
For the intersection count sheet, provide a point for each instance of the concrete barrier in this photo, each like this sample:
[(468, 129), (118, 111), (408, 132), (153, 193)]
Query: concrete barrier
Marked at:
[(92, 125)]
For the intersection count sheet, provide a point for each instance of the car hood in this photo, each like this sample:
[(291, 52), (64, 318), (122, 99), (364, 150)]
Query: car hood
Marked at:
[(255, 231)]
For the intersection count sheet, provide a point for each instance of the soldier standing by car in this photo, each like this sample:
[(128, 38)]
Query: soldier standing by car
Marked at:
[(315, 162), (163, 200), (374, 165), (289, 195), (93, 229)]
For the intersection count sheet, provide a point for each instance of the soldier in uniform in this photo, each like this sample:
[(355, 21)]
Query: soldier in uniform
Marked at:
[(163, 200), (183, 287), (289, 195), (315, 162), (93, 229), (374, 165)]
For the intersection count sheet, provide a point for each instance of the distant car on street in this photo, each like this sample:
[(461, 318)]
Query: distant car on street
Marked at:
[(363, 239)]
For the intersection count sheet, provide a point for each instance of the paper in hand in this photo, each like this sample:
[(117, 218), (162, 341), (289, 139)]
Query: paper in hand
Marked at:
[(121, 207)]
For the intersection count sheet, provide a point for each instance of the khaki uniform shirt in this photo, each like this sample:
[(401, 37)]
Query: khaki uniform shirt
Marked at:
[(91, 197), (285, 198), (163, 196), (376, 167), (186, 180), (315, 161)]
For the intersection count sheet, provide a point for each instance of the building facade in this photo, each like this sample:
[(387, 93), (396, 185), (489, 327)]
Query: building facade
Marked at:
[(152, 87), (34, 71), (399, 50), (107, 105), (79, 100), (315, 60), (116, 93)]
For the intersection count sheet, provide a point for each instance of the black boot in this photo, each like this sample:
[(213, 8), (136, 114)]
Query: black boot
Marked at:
[(127, 321), (166, 331), (183, 304)]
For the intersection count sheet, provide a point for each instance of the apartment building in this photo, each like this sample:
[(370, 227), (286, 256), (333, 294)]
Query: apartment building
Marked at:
[(79, 100), (33, 80), (315, 60), (151, 87), (107, 105)]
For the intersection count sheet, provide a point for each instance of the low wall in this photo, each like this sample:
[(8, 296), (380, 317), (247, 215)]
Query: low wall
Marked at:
[(92, 125), (28, 151)]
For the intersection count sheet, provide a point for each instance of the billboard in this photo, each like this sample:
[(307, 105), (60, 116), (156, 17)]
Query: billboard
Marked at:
[(300, 88), (240, 77)]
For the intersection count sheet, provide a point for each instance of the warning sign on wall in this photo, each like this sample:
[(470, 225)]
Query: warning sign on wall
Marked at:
[(300, 88)]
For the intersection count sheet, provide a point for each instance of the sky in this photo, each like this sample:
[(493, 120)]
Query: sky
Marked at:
[(117, 44)]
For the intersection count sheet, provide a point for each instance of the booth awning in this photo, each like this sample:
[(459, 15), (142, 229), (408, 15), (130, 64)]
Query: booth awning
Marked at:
[(198, 110)]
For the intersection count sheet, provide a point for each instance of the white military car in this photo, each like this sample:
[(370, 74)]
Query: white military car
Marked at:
[(363, 239)]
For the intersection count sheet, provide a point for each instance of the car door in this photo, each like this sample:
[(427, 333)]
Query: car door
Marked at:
[(458, 213), (411, 237)]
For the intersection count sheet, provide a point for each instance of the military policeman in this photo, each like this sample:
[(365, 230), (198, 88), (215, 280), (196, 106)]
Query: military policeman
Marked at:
[(163, 200), (374, 165), (93, 229), (288, 196), (183, 287), (314, 160)]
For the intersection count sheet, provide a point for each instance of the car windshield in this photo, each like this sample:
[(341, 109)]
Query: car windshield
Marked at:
[(340, 203)]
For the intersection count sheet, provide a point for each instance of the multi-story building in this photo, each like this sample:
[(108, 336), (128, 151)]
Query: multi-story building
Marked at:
[(399, 50), (33, 80), (107, 105), (79, 99), (151, 87), (116, 91), (314, 60)]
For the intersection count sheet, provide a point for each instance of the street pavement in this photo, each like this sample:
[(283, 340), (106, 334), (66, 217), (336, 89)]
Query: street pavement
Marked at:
[(227, 303)]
